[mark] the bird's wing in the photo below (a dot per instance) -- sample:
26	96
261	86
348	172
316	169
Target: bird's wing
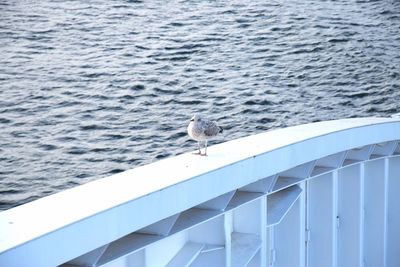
211	128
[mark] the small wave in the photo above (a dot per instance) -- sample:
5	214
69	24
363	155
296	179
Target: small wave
96	75
338	40
11	191
358	95
177	24
4	120
260	102
266	120
93	127
178	135
83	175
101	150
162	155
185	102
167	91
115	171
137	87
76	151
113	136
48	147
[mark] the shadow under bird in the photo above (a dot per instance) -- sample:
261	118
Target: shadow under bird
201	130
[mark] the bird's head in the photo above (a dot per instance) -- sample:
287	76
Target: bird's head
195	118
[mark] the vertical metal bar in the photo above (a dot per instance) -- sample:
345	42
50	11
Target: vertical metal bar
228	239
303	225
263	230
385	222
307	224
362	176
335	216
272	254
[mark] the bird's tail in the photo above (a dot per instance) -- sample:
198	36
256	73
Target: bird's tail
221	130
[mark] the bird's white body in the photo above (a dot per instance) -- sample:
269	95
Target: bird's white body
196	133
202	130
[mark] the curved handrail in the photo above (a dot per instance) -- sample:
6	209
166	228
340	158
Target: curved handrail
115	206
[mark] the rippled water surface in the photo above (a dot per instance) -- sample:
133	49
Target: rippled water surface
92	88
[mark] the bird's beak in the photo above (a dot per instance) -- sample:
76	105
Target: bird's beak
191	119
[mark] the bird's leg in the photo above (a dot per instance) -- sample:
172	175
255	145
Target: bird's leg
199	147
205	150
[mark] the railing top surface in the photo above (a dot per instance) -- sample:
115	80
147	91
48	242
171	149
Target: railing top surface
41	217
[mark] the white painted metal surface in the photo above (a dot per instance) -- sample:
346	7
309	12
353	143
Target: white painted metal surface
322	194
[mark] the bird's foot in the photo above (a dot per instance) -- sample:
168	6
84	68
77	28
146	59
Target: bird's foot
199	153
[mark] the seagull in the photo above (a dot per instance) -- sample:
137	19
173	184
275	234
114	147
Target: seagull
201	130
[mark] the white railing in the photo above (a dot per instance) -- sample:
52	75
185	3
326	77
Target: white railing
322	194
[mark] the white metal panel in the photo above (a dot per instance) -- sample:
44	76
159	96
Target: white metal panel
393	216
384	149
163	251
162	227
321	221
293	175
374	213
244	248
90	258
279	204
332	161
349	216
126	246
319	170
262	186
284	182
242	197
256	261
358	154
241	215
186	255
397	150
301	171
136	259
328	163
210	232
192	217
289	237
213	258
218	203
121	262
